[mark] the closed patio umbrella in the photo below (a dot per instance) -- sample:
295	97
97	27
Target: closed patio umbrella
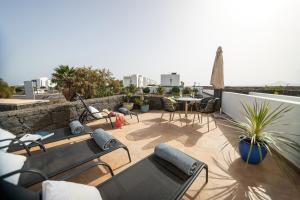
217	76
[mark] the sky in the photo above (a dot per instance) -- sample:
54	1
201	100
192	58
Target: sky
260	39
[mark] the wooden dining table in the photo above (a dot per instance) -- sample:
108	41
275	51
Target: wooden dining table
186	101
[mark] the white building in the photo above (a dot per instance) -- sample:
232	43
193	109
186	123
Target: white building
172	79
43	82
137	80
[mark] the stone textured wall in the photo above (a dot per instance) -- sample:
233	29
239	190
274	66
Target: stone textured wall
53	116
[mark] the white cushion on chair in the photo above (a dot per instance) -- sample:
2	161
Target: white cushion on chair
10	162
5	135
63	190
95	112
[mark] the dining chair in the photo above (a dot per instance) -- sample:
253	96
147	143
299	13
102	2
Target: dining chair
169	107
207	110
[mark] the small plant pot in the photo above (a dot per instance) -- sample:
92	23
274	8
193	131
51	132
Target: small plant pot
127	105
144	108
254	158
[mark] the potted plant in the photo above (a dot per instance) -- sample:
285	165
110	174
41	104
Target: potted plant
160	90
145	105
127	101
256	137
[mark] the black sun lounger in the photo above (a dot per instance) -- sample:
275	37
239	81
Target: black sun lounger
87	115
151	178
59	134
63	158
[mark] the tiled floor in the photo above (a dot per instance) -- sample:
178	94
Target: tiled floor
229	176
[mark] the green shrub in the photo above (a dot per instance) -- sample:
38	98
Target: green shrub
5	90
146	90
187	90
175	90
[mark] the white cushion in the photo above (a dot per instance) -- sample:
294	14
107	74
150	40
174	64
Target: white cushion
28	136
95	112
5	135
62	190
11	162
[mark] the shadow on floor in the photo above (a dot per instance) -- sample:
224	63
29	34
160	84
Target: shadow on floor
245	181
165	132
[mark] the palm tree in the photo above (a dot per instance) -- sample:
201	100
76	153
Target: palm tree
5	90
64	77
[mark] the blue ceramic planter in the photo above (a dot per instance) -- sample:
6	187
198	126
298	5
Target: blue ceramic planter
144	108
244	148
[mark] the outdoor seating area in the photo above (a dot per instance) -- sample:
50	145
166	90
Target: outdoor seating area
228	176
149	100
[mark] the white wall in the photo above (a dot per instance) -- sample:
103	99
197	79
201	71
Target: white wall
276	96
231	105
170	79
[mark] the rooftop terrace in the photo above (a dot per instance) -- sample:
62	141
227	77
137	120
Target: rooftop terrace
229	176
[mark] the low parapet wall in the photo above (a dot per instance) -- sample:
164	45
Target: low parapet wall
48	117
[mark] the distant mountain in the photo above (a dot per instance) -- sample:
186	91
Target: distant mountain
282	83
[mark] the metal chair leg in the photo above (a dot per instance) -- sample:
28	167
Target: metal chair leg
208	122
194	118
206	170
126	149
162	114
112	125
180	118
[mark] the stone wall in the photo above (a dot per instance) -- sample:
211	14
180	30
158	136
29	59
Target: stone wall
48	117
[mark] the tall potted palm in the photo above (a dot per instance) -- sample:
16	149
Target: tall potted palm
256	137
63	76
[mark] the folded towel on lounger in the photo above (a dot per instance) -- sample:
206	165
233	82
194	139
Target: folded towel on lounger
76	127
103	139
181	160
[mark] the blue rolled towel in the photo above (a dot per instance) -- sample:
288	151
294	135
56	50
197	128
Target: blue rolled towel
125	111
181	160
76	127
103	139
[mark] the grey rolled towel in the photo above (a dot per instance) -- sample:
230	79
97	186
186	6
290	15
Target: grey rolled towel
76	127
125	111
181	160
103	139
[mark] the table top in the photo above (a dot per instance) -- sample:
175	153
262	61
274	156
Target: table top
187	99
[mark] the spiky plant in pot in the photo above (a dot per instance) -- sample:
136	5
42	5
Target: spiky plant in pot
256	137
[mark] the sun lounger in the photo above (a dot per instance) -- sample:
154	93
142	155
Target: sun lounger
59	134
63	158
90	113
150	178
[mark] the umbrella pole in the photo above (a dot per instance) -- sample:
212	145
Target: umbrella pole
218	94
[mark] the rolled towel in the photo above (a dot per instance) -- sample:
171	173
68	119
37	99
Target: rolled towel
181	160
125	111
76	127
103	139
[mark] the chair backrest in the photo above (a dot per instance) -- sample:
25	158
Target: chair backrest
167	104
210	106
